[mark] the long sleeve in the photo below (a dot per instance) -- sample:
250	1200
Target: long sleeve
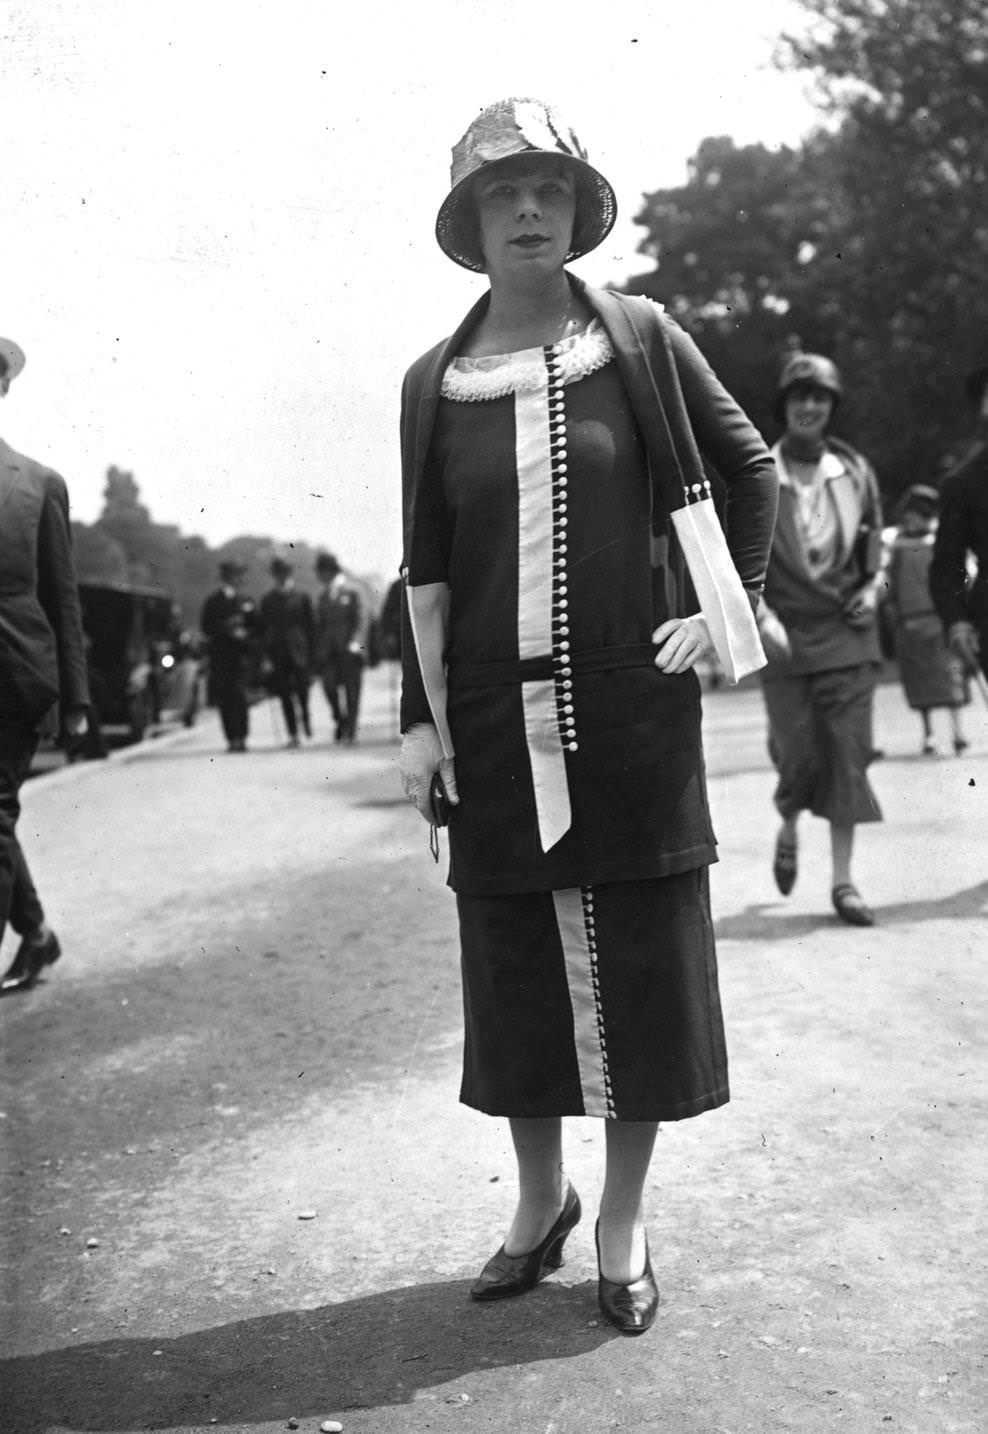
729	441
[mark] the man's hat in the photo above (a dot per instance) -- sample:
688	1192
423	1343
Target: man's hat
976	383
327	563
11	358
232	568
505	130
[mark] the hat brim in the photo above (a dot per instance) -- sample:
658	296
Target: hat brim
783	395
13	356
596	210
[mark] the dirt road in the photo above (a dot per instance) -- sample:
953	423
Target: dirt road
239	1189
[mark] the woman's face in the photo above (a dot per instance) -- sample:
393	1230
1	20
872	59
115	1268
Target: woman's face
525	214
808	410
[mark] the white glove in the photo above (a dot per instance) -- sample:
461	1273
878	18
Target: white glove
682	642
420	758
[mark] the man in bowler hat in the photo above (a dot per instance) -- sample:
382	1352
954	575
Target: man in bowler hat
42	661
962	602
229	623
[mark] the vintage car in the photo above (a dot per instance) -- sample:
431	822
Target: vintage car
143	670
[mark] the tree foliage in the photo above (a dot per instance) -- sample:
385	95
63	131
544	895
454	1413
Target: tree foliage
869	242
126	545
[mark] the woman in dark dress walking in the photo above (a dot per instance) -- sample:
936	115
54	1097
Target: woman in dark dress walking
552	484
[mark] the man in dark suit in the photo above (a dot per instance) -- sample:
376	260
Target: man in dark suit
960	598
287	636
229	622
342	627
42	661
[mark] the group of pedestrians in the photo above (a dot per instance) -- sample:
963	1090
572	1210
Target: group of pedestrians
284	641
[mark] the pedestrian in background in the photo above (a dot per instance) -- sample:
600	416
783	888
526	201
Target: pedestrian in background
342	625
229	624
287	634
819	625
931	675
547	448
960	595
42	662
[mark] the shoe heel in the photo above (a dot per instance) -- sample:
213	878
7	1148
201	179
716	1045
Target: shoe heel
554	1259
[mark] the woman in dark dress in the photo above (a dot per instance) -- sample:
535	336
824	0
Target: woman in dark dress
552	484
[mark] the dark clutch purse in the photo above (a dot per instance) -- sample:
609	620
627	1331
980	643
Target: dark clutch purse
439	812
438	802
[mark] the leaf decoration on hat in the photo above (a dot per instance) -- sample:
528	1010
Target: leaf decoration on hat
535	125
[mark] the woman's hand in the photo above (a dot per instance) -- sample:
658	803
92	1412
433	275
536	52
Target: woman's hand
860	610
775	639
420	758
682	642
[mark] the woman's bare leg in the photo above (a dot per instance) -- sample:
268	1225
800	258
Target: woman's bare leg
622	1222
841	851
541	1183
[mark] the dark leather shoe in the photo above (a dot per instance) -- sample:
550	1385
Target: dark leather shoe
629	1308
31	959
505	1275
850	907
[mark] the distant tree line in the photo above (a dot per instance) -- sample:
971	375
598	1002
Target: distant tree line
868	243
126	545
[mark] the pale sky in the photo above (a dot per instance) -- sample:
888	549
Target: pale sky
218	248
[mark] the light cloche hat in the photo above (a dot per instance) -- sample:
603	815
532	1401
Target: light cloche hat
502	131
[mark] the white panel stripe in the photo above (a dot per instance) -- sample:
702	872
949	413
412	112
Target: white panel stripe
534	522
579	960
545	748
548	764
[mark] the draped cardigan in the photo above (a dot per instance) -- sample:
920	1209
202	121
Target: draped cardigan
687	420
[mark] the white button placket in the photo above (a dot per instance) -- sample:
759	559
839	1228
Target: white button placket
562	669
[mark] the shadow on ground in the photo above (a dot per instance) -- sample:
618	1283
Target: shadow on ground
375	1351
764	921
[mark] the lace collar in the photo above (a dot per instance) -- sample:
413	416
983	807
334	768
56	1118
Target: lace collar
470	379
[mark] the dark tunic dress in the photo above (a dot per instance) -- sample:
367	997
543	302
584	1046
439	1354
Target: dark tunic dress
579	846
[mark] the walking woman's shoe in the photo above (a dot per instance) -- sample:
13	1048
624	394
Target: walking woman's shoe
961	744
785	863
506	1275
629	1308
850	906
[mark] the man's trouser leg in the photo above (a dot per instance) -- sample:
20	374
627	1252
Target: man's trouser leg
19	903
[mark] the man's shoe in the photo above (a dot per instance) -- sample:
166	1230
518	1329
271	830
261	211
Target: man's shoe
31	959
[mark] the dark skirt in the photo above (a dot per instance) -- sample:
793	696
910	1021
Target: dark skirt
820	739
931	675
597	1001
